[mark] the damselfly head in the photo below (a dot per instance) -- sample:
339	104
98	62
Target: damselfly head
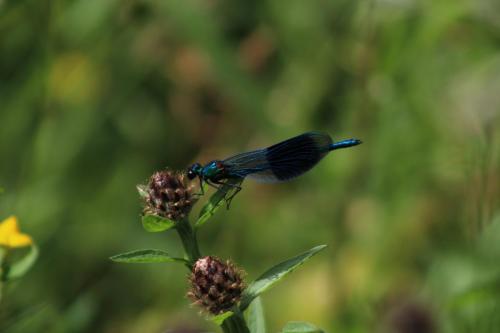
194	171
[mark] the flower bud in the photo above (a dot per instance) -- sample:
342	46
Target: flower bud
168	194
215	286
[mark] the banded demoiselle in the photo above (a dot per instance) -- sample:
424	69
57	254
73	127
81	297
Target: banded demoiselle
280	162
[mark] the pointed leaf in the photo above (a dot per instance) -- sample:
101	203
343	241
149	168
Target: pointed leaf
155	223
270	277
219	319
21	266
143	191
300	327
216	201
146	256
255	317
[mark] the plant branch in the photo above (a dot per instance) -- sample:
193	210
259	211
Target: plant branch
188	238
235	324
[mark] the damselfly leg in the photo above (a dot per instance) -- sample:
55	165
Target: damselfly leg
231	192
234	187
202	190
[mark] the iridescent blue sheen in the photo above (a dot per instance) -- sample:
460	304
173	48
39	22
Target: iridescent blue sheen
280	162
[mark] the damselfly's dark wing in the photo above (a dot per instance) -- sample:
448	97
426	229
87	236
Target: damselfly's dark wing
282	161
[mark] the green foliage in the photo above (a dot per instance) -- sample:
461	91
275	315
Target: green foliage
219	319
146	256
255	317
142	190
154	223
21	266
300	327
217	200
275	274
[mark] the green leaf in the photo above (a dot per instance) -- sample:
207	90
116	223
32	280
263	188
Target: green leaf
300	327
145	257
219	319
21	266
143	191
255	317
270	277
216	201
155	223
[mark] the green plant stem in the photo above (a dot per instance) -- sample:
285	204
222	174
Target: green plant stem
235	324
188	238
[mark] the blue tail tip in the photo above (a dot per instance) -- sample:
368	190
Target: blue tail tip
349	142
345	144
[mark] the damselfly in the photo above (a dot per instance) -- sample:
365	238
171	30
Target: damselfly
280	162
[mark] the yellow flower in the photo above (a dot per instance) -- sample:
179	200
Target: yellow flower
10	236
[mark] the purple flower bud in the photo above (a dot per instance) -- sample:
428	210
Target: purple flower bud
215	286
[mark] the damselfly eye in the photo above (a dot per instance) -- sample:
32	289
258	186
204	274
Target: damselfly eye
190	174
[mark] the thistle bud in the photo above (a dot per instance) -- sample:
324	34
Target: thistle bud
168	194
215	286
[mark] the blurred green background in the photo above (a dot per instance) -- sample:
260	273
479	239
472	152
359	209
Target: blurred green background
95	95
